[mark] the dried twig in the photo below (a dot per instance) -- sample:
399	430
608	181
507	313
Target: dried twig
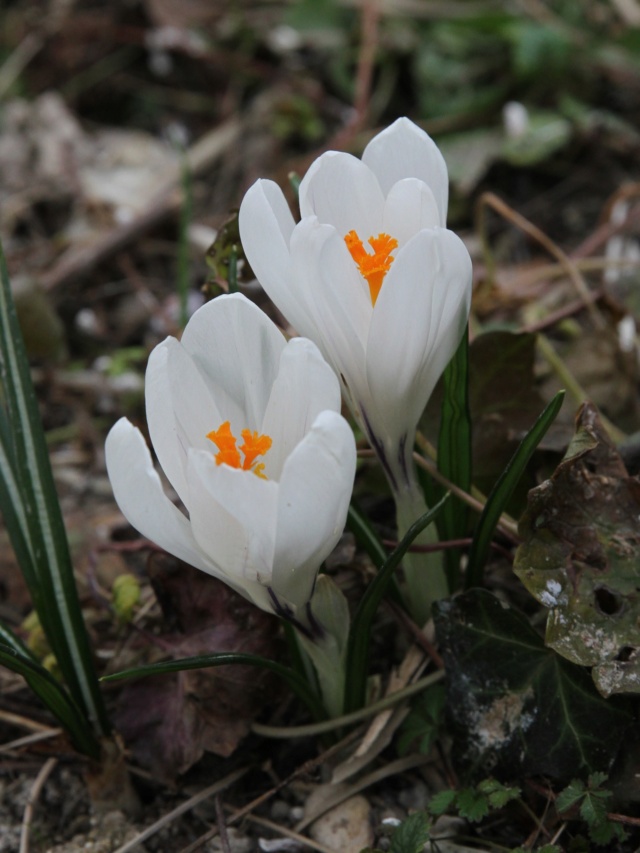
408	762
17	61
364	75
304	769
507	526
166	202
289	833
28	740
288	732
34	793
189	804
222	825
23	722
488	199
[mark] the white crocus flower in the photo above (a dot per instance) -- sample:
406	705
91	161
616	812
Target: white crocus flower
372	275
246	427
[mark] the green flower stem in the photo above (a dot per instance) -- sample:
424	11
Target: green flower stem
424	573
357	661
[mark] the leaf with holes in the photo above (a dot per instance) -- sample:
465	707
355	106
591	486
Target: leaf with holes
581	558
517	707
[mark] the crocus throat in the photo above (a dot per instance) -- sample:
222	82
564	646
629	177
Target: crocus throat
372	267
254	445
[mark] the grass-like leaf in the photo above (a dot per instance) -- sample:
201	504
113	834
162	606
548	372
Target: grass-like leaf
368	540
503	489
34	521
295	681
454	453
17	657
356	666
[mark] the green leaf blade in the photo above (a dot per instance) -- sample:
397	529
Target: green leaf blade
503	489
454	452
16	657
35	519
295	681
356	665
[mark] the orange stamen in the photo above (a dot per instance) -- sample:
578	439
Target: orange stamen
254	445
374	267
226	443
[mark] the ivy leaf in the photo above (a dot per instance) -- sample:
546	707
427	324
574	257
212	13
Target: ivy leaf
411	835
581	557
517	707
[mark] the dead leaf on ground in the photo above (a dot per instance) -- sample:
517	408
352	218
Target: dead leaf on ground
581	558
170	720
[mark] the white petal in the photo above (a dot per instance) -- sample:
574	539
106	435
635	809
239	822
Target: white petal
335	292
233	519
305	386
410	207
341	191
266	225
237	348
403	150
180	411
417	323
138	492
313	499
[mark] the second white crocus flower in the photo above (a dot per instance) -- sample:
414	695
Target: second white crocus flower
373	276
246	427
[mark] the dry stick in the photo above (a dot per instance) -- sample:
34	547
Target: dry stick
15	64
364	75
27	740
305	768
490	200
289	833
606	230
166	201
573	386
417	634
366	59
222	826
23	722
561	314
312	729
585	265
408	762
34	793
189	804
507	526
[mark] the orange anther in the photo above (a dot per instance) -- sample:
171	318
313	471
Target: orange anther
225	441
373	267
254	445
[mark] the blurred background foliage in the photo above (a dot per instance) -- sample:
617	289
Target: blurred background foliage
537	101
